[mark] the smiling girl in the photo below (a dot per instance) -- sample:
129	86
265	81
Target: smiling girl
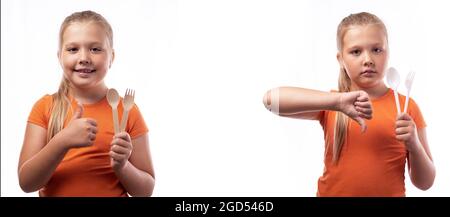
69	147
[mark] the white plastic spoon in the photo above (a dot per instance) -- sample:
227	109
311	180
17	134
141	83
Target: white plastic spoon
393	79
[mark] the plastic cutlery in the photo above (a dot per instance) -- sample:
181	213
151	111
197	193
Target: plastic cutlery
113	99
128	102
408	83
393	79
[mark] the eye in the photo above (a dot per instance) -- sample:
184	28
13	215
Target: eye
355	52
72	49
96	49
377	50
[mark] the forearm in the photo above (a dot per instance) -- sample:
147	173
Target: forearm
37	171
293	100
421	168
136	182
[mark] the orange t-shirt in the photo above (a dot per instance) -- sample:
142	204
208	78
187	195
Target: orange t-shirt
87	171
371	163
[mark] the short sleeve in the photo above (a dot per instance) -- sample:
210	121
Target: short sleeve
416	114
40	112
323	117
136	124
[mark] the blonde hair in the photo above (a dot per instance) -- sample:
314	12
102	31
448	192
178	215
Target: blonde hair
344	82
61	99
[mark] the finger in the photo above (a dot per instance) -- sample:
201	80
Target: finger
362	123
78	112
401	130
93	130
120	149
121	142
405	116
114	155
364	110
401	123
90	143
91	121
364	115
123	135
92	137
117	156
363	96
363	104
402	137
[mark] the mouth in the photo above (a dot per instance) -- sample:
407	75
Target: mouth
85	71
368	72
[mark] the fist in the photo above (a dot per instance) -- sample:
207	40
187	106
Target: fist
357	106
121	149
406	131
80	132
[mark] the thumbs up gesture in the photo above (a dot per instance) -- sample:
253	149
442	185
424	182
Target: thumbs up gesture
80	132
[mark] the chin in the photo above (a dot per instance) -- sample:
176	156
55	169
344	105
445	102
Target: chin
83	84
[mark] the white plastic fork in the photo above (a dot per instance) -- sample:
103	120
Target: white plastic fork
128	102
408	83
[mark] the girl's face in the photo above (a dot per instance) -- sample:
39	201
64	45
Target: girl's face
364	55
85	54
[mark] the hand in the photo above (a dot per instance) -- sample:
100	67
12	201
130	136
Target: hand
357	106
80	132
405	130
121	149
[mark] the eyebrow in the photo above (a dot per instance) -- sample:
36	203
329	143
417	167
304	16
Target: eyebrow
89	43
370	45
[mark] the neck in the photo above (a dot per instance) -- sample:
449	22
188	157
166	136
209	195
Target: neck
375	91
90	95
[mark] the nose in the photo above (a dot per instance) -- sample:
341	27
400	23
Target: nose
84	57
368	61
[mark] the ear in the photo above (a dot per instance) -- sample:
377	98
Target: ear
58	55
112	58
339	59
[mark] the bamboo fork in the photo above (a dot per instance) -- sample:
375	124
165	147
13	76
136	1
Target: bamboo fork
128	102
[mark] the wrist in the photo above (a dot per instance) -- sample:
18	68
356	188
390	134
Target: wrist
121	169
60	141
413	147
337	102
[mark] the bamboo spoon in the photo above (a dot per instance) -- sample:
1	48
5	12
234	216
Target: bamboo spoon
113	99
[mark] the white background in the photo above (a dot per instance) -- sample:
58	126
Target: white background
200	69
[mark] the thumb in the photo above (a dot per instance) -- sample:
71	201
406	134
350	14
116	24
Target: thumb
362	123
404	116
78	112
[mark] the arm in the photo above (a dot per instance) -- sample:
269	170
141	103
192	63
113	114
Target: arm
306	103
300	102
39	160
134	168
421	166
420	163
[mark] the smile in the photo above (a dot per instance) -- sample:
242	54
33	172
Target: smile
85	70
